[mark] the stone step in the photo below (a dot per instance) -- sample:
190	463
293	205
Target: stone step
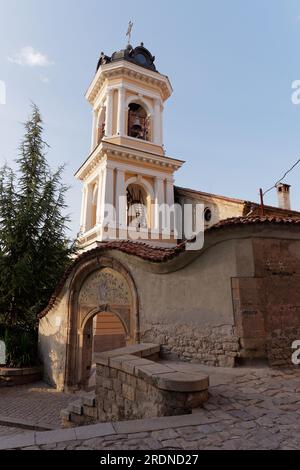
89	399
76	407
85	405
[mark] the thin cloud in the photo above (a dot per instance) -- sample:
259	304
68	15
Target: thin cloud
45	80
28	56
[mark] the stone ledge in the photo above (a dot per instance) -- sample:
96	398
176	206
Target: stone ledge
181	382
9	371
140	350
132	360
19	376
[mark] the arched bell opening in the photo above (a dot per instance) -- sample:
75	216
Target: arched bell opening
138	122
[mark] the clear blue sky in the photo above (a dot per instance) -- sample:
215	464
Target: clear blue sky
231	64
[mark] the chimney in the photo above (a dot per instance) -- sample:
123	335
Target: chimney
283	193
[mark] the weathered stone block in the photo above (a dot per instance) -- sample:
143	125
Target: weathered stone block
112	373
225	361
151	369
89	400
180	382
128	392
107	383
117	385
107	406
90	411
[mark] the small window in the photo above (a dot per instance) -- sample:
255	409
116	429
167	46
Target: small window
207	214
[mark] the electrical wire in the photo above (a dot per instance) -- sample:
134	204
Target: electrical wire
279	181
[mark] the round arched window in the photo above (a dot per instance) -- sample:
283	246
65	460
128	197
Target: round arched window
207	214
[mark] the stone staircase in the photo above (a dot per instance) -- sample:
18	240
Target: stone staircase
82	411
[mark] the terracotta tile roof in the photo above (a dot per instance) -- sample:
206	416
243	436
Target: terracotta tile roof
255	220
144	251
180	189
157	254
248	205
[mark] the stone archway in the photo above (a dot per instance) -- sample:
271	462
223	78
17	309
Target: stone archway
88	338
100	285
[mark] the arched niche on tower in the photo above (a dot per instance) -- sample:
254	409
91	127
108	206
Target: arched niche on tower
100	127
140	200
94	205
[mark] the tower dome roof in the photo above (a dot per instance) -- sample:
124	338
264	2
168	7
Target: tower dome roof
138	55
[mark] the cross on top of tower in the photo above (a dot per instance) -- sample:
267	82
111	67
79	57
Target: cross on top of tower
129	30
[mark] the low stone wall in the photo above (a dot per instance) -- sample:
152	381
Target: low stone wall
129	386
213	346
279	346
19	376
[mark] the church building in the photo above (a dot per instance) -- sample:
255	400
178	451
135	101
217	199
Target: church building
235	299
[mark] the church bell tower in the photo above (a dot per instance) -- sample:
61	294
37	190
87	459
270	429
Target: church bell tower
127	178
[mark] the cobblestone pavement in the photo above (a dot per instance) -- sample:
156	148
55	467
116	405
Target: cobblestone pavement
10	431
35	403
251	409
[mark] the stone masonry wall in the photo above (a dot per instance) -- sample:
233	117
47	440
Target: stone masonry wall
122	396
129	386
214	346
279	346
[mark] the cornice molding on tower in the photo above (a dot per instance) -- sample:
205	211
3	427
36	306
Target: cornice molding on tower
99	100
128	155
129	70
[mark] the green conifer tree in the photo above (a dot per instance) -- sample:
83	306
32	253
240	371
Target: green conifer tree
34	248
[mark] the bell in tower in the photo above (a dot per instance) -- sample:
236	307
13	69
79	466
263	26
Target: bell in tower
137	122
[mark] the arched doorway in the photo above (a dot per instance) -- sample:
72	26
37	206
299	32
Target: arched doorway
103	331
101	287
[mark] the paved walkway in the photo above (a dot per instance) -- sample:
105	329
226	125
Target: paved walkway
247	409
35	404
10	431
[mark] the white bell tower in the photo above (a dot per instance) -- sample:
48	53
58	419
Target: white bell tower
127	178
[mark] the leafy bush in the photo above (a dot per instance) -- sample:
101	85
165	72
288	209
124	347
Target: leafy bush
21	346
